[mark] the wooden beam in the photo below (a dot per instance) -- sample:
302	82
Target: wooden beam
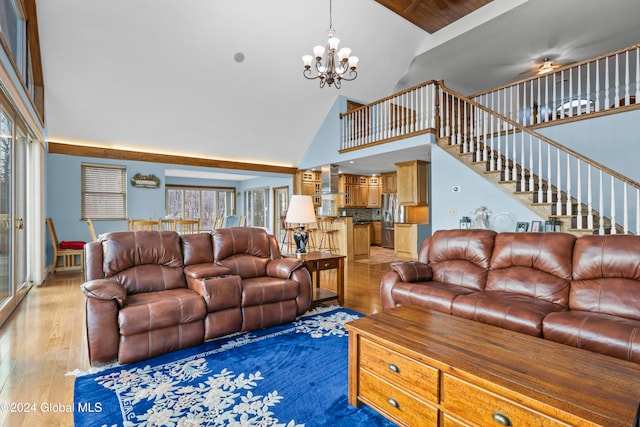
140	156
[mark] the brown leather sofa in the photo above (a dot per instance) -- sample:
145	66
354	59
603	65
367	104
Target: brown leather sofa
152	292
583	291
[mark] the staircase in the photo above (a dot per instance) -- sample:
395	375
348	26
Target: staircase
494	134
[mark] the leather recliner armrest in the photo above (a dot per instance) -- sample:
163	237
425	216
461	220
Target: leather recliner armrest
105	289
201	271
283	267
412	271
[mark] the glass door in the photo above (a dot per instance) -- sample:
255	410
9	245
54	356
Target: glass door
6	210
21	190
257	207
281	204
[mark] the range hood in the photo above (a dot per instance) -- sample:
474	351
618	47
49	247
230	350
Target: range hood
330	190
330	180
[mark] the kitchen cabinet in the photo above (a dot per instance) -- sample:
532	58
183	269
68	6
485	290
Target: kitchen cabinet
373	196
405	240
356	191
361	241
376	235
309	183
412	183
389	184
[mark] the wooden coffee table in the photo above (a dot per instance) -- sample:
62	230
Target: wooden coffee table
421	367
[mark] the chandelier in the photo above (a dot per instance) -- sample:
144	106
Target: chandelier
336	62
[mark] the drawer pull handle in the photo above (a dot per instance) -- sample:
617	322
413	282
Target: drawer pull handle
393	403
394	368
327	264
501	419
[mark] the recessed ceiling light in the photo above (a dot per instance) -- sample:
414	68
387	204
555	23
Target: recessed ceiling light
351	161
238	57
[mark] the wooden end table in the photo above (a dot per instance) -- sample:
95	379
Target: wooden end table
317	262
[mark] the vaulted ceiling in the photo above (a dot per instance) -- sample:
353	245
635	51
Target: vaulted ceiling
165	75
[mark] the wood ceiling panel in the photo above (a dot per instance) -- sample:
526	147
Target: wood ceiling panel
433	15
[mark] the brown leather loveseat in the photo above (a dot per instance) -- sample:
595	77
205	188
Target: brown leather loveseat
583	291
152	292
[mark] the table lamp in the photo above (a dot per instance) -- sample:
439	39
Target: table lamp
302	212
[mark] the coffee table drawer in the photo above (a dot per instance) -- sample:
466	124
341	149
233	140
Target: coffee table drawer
413	377
472	403
394	402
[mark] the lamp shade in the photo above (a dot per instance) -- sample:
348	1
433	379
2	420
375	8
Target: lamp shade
301	210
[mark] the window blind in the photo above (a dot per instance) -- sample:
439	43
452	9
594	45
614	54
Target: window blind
104	192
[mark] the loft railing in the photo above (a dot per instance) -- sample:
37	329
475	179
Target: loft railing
594	196
404	114
588	87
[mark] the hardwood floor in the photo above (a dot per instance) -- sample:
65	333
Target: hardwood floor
43	340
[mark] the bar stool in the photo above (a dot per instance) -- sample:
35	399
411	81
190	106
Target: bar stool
327	241
287	236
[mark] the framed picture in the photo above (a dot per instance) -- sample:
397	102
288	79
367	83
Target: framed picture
522	227
536	226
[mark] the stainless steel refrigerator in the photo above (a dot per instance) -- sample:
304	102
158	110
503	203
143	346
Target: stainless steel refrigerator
392	213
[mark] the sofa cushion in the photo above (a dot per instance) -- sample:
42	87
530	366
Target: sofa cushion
532	264
244	250
461	257
143	261
197	248
516	312
602	333
434	295
606	275
161	309
263	290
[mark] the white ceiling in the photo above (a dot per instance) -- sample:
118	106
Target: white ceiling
160	75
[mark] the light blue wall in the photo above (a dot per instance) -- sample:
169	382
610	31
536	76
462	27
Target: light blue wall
475	190
63	187
612	140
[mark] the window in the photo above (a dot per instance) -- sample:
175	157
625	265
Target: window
104	192
206	203
257	207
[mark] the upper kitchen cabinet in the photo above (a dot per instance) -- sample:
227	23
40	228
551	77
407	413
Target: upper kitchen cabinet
309	182
374	192
389	182
412	183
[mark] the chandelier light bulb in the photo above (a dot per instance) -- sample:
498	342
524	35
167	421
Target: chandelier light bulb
318	52
353	62
307	60
333	43
343	54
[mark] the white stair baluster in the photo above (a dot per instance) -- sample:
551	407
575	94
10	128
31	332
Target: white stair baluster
613	207
589	199
569	206
540	195
601	207
558	184
579	196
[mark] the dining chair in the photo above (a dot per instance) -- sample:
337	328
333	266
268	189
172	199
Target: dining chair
142	224
188	226
231	221
168	224
92	231
218	222
67	255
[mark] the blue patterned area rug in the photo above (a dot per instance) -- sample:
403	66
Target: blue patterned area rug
289	375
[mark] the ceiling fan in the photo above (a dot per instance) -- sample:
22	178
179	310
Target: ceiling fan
547	66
